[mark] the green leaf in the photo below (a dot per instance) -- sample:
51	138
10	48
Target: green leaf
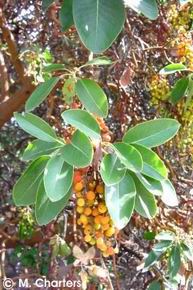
103	60
172	68
38	148
155	285
79	152
120	201
145	203
25	189
92	97
149	236
111	169
129	156
158	250
174	261
53	67
68	90
46	4
153	166
151	259
162	246
169	196
40	94
179	90
152	185
83	121
98	22
187	251
58	177
35	126
45	209
165	236
148	8
65	15
152	133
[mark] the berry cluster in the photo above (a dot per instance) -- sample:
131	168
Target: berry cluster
26	224
159	89
180	17
93	217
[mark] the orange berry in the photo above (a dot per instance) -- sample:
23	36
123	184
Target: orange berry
98	234
105	220
77	177
102	207
90	195
110	232
103	248
100	188
87	211
95	212
88	229
97	219
80	202
105	227
99	242
110	251
80	209
78	186
83	219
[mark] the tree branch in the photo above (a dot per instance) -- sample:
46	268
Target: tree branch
12	48
11	103
4	88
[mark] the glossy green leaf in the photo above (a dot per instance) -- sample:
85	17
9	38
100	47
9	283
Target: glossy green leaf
83	121
103	60
68	90
169	196
155	285
40	94
174	261
152	133
151	259
53	67
129	156
145	203
35	126
79	152
98	22
165	236
65	15
172	68
153	166
120	201
45	209
179	90
58	177
111	169
152	185
46	4
37	148
25	189
148	8
92	97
